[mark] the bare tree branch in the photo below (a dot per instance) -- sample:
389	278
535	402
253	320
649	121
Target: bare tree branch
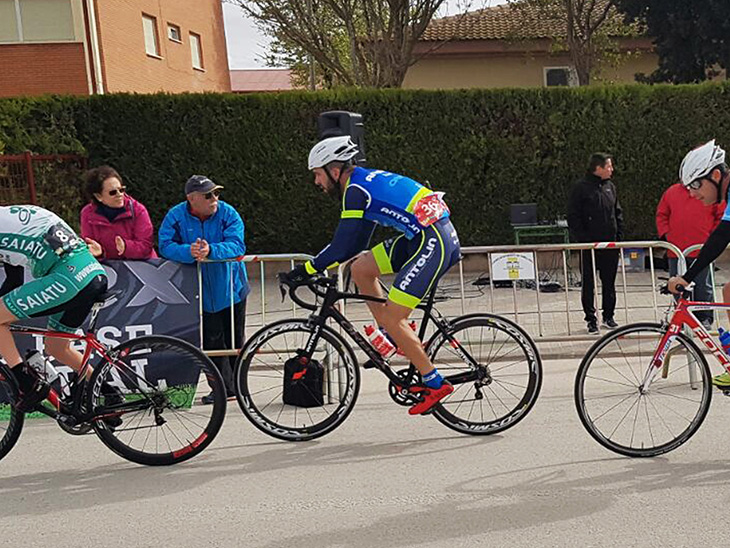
365	43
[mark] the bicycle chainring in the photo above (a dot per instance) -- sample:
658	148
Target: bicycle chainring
400	395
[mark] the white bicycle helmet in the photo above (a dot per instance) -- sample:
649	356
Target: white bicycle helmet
332	149
700	161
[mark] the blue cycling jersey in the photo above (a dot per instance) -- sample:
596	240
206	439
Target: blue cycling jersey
390	199
371	197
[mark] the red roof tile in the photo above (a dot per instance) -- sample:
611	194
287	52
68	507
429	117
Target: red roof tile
511	22
252	80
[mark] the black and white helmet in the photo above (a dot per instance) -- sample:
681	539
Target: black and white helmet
332	149
699	162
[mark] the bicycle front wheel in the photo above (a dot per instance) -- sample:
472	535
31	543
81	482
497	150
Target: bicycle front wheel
505	381
261	377
11	420
147	400
634	422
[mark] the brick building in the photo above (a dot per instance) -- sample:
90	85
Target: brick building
106	46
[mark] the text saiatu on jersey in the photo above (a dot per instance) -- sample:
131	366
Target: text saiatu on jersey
34	237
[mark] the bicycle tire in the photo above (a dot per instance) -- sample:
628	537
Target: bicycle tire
11	420
501	414
175	405
254	376
599	371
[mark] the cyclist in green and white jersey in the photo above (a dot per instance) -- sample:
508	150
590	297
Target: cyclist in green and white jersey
67	281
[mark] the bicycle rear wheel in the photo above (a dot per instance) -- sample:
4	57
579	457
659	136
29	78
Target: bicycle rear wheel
260	378
509	374
622	418
11	420
153	414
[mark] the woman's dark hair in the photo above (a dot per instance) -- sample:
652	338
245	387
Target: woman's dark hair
95	180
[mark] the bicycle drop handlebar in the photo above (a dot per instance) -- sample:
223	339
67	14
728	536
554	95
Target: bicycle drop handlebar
315	283
686	293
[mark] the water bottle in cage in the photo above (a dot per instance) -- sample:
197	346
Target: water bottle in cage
381	343
42	366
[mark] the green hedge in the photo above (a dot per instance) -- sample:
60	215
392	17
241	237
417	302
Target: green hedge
485	148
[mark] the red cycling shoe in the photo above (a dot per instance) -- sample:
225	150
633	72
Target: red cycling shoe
431	396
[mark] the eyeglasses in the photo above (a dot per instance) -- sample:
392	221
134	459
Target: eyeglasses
211	194
695	185
120	190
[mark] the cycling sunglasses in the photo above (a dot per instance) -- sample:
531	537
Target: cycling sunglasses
696	184
120	190
211	194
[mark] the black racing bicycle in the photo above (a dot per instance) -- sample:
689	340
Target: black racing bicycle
492	362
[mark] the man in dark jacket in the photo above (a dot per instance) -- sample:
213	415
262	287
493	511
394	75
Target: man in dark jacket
594	215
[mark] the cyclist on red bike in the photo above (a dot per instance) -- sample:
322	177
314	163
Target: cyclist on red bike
705	173
68	280
426	248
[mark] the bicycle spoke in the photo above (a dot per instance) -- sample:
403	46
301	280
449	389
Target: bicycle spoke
635	423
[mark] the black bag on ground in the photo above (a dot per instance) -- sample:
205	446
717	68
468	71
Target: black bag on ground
303	383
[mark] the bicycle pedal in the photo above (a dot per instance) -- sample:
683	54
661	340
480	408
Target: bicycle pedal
68	420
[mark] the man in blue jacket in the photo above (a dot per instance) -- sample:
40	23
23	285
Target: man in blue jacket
206	228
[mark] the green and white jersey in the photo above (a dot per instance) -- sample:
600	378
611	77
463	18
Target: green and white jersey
34	237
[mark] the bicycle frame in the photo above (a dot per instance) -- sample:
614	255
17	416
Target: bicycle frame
76	386
328	310
681	317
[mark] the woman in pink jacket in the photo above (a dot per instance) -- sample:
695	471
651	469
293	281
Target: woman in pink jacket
115	225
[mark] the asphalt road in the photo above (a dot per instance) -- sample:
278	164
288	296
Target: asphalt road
383	479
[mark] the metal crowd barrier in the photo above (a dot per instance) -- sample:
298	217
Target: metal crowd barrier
564	249
262	260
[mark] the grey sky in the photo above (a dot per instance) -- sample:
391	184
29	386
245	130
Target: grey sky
246	44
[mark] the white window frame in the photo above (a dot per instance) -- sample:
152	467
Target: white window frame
156	37
572	75
199	39
170	27
21	35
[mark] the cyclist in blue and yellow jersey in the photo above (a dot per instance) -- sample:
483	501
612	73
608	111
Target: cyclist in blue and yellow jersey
68	279
426	248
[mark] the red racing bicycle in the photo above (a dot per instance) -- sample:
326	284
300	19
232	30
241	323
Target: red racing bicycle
152	418
644	389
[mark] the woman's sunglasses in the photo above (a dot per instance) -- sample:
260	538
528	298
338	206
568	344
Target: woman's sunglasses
120	190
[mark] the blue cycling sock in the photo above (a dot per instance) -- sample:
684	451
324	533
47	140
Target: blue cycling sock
433	379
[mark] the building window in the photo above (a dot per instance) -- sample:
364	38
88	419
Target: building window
173	33
36	21
151	40
196	50
560	76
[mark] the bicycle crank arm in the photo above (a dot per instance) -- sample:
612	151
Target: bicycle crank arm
46	410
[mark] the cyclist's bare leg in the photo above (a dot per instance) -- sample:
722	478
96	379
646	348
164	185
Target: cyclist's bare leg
366	274
8	349
393	317
62	351
58	348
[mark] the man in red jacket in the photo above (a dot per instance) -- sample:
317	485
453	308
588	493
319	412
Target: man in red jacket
683	221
